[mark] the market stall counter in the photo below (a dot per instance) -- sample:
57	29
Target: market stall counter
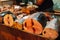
7	33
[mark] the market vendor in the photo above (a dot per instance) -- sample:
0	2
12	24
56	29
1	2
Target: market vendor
44	5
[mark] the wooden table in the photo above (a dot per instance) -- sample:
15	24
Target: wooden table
7	33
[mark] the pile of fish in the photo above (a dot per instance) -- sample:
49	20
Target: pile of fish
36	23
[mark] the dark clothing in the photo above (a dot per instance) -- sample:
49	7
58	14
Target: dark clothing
24	1
47	5
18	2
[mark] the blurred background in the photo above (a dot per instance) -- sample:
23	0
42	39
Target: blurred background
56	4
